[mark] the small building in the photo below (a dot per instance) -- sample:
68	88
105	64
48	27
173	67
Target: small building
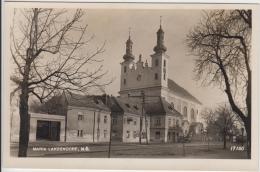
126	117
46	127
88	119
166	122
43	127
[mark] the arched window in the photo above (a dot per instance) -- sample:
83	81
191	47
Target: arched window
192	115
185	112
156	62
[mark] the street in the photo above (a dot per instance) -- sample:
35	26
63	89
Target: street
134	150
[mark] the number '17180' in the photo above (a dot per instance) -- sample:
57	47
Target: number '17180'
237	148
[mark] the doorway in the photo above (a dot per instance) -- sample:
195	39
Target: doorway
48	130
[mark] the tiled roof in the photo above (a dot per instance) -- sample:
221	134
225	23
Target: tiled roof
86	101
125	105
180	91
160	107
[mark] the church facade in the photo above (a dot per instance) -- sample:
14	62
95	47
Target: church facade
153	81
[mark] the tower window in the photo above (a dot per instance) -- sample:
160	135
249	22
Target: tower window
156	62
164	76
124	81
156	76
124	69
164	63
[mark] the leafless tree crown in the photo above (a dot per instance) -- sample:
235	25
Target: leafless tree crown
50	50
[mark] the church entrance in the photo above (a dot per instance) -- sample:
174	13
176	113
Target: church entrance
48	130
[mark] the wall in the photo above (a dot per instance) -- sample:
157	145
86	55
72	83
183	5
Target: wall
158	127
131	130
141	76
133	127
117	127
34	117
180	103
92	125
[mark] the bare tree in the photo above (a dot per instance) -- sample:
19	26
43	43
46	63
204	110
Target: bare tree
50	50
222	42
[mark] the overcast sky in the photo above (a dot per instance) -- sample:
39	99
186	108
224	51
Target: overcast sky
112	26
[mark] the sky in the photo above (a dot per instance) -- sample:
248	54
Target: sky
112	26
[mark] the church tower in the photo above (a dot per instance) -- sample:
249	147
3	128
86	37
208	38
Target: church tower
160	59
128	62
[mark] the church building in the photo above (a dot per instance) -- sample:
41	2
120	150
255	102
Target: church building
154	82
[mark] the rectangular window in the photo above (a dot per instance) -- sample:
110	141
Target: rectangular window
105	119
156	76
135	134
157	135
134	122
105	133
164	63
124	81
98	118
129	120
80	133
124	69
114	121
143	135
80	117
164	76
127	134
177	122
158	121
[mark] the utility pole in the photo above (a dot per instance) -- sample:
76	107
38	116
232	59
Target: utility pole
143	97
145	119
141	117
110	133
183	145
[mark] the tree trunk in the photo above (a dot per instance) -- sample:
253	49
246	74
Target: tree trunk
224	140
248	140
24	123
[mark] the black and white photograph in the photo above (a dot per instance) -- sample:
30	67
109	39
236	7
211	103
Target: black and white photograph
130	83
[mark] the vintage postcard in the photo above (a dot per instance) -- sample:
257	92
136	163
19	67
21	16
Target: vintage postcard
131	86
